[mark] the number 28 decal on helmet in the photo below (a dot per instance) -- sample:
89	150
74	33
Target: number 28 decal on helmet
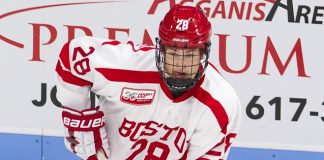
183	47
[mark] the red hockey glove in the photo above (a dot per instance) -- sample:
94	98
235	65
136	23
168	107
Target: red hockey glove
85	132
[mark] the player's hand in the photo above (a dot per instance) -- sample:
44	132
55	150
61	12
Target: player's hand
85	132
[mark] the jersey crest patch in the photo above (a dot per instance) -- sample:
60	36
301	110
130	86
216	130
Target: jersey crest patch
137	96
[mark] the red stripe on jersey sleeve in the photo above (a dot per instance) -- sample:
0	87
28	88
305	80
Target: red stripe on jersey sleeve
130	76
214	153
140	48
113	42
203	159
69	77
217	108
64	56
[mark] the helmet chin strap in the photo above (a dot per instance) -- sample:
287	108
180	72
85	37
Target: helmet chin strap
178	86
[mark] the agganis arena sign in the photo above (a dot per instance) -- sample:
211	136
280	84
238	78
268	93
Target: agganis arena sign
263	10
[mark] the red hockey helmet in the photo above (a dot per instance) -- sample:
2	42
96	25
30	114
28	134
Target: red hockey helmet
183	29
185	26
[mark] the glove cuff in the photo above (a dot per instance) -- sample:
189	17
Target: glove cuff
82	122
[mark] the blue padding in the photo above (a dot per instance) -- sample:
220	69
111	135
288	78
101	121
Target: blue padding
20	147
28	147
54	149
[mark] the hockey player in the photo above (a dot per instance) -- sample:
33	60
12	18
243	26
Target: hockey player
162	102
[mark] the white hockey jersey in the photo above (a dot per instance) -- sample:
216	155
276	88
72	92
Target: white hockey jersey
143	120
